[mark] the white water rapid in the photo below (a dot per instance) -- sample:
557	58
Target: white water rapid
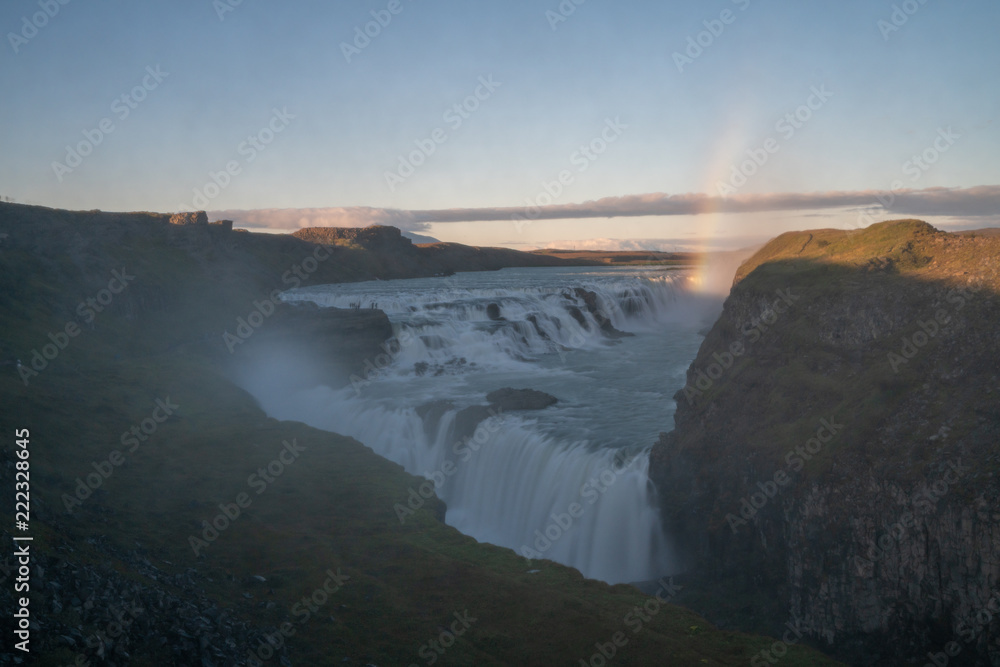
568	482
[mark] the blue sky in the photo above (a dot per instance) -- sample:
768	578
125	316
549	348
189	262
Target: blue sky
554	86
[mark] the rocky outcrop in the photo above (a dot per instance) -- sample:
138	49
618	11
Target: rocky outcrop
193	218
376	237
468	419
835	447
593	306
520	399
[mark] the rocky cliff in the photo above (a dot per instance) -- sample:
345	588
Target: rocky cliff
836	448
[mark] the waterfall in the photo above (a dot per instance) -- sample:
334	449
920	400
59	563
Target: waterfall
565	483
495	326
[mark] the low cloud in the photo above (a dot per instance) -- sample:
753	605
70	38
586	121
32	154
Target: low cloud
656	245
299	218
960	202
633	245
982	200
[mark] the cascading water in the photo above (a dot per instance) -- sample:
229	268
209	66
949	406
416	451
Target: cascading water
567	483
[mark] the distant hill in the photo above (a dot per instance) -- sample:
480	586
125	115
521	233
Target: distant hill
389	254
420	238
620	257
986	231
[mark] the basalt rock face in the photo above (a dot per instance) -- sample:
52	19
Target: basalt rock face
836	449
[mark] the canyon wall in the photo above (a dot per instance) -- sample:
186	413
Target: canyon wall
835	456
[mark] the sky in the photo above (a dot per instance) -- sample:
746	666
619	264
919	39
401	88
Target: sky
580	123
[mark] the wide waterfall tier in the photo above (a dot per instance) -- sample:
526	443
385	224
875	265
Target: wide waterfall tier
446	324
567	482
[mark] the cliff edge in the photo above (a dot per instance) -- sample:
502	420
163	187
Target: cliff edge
835	455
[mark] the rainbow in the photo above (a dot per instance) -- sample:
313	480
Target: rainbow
719	168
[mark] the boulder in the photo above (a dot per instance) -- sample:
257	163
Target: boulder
468	420
520	399
593	307
431	414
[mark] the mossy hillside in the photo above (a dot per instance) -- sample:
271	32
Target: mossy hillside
333	508
903	241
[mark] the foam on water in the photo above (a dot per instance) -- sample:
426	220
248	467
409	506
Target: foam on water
568	483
